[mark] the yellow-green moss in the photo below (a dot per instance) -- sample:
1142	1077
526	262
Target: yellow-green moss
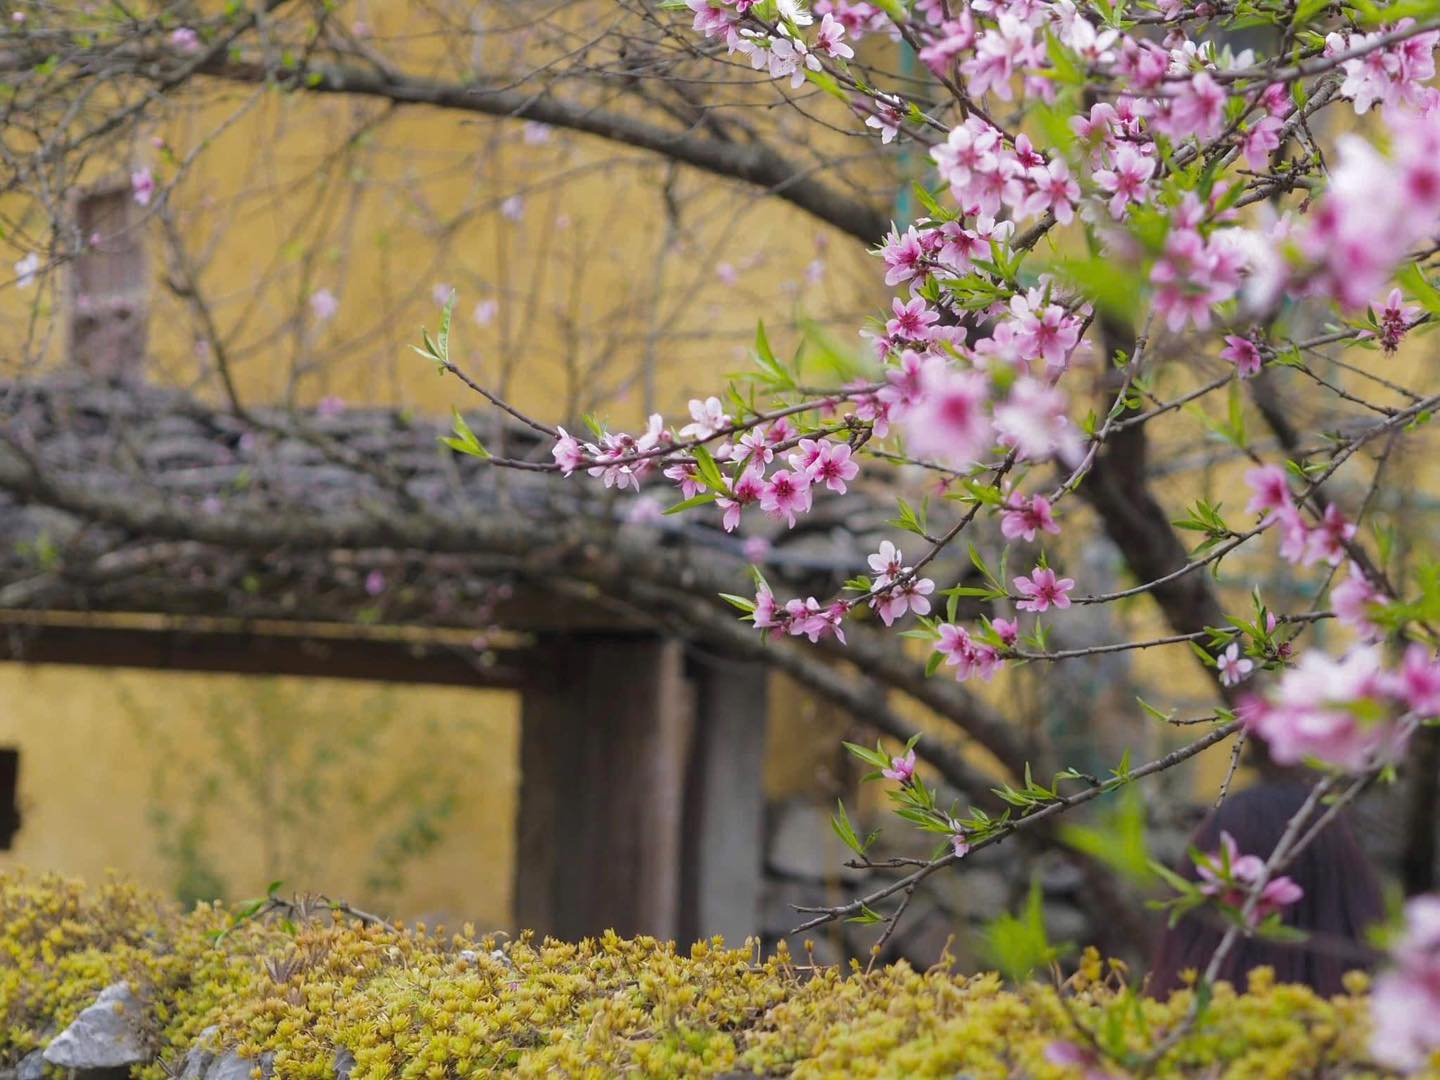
408	1004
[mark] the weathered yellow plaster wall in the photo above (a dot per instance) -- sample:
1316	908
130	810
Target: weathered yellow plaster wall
320	782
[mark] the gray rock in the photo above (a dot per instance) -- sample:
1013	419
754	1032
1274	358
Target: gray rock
107	1035
801	841
777	907
804	845
472	956
31	1067
232	1066
199	1057
1062	878
344	1064
924	934
975	892
1066	923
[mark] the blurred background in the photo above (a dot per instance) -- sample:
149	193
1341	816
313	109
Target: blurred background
259	626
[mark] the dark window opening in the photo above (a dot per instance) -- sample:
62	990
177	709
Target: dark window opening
9	796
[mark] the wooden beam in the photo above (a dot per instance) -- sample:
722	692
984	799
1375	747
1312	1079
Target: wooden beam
245	653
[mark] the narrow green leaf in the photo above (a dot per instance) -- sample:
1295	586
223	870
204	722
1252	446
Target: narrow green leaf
709	471
692	502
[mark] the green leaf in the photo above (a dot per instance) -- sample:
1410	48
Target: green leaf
875	757
762	344
893	8
1234	429
930	203
464	441
840	822
908	519
445	317
867	917
1017	945
1418	286
827	83
1174	880
1372	14
709	471
1156	713
1113	287
1118	840
842	364
1065	65
692	502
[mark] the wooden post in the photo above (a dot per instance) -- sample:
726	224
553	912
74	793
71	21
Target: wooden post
725	800
605	735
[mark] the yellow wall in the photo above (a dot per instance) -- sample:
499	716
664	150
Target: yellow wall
278	195
313	781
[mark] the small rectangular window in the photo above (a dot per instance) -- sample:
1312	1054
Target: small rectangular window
9	796
108	285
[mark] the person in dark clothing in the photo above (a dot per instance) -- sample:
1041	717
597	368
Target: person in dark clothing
1341	899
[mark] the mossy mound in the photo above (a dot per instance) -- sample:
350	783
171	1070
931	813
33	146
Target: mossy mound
418	1003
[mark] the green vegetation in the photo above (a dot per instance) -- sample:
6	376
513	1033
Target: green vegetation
422	1003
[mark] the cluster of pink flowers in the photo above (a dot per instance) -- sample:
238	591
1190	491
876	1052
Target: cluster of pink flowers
1244	873
1301	543
1396	319
938	388
619	460
142	186
1195	273
897	589
783	54
902	769
1405	1000
1042	590
1353	601
1391	76
1352	713
966	655
1374	208
807	618
1173	88
622	461
988	174
964	402
942	393
860	18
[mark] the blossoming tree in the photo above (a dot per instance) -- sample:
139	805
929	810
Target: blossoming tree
1112	189
1128	223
